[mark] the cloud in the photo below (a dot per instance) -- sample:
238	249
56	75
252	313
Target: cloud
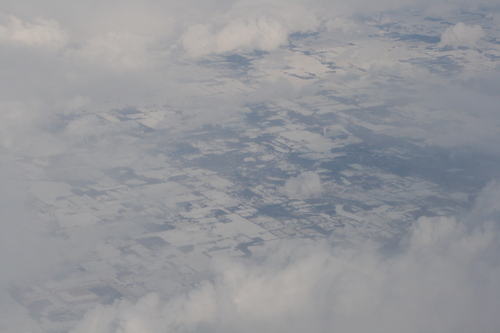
41	33
462	35
444	278
247	27
305	185
113	55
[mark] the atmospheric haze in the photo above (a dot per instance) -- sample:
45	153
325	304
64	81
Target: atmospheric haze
249	166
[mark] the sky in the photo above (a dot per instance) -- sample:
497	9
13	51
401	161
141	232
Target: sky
64	63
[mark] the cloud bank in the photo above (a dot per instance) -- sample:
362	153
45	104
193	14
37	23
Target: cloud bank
445	278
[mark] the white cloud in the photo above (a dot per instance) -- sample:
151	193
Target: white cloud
41	32
445	278
249	26
305	185
462	35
